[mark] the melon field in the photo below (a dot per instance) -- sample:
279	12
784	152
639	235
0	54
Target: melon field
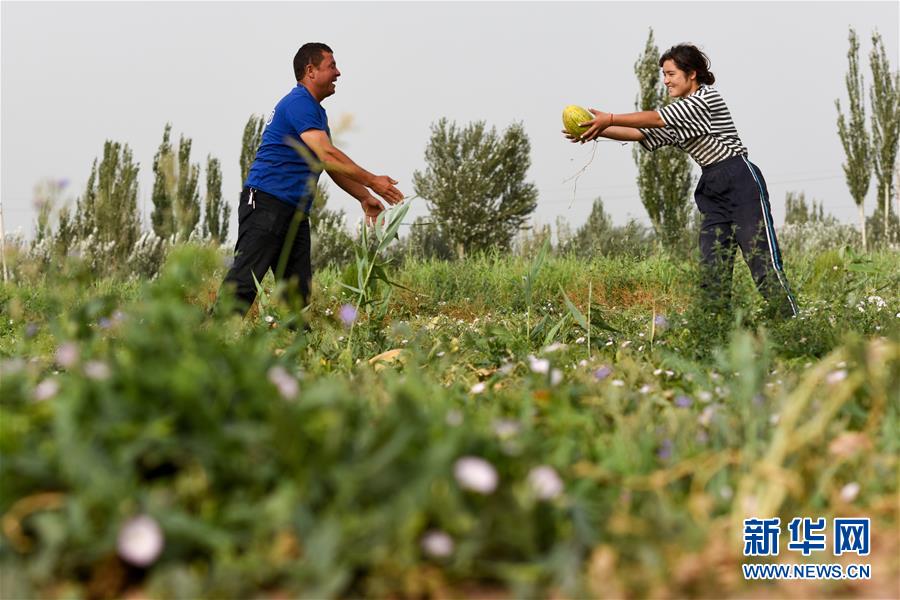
528	425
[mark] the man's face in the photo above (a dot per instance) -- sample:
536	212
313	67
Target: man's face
679	83
324	76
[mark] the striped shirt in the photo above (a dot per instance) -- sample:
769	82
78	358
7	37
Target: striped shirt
699	124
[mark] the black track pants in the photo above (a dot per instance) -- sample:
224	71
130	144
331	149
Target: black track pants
734	201
267	228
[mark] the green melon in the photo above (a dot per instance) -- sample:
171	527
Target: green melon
572	116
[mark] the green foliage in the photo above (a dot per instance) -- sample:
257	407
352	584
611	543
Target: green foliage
884	95
798	212
475	184
332	245
216	211
598	236
854	136
106	216
176	194
162	217
274	466
426	241
253	131
664	176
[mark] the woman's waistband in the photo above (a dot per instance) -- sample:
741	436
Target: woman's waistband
723	162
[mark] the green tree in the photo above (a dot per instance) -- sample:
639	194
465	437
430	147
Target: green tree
475	184
332	245
187	197
598	235
253	131
163	197
107	212
176	193
217	212
884	94
854	137
798	212
664	177
425	240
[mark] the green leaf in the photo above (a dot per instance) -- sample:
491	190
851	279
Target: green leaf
576	314
395	216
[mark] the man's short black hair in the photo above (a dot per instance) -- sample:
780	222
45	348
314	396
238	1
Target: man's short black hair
309	54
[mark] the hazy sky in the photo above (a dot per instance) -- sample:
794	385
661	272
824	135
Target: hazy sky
75	74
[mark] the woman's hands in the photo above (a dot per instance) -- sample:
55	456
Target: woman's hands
601	121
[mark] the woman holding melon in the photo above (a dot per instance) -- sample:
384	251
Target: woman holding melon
731	194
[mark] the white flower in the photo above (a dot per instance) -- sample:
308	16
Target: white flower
618	382
96	370
140	541
657	372
475	474
440	354
645	389
270	319
580	340
505	428
877	301
849	492
478	388
545	482
626	343
437	544
46	390
836	376
706	416
539	365
67	355
556	377
554	347
285	383
704	396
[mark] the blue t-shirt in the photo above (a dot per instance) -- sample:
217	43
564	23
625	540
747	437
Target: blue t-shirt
279	169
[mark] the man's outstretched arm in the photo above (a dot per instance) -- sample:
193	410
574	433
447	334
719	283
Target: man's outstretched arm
336	161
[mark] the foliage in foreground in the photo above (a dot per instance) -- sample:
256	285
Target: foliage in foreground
616	461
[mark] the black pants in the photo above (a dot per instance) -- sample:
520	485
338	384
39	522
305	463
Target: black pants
271	235
734	201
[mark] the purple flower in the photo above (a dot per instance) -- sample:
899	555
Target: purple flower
31	330
661	322
104	323
665	450
682	401
62	183
347	314
602	373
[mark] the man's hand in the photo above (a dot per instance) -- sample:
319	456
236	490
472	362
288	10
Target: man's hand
384	187
372	207
595	127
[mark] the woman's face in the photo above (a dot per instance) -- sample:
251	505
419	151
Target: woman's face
679	83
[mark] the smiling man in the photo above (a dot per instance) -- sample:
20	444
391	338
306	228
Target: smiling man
273	223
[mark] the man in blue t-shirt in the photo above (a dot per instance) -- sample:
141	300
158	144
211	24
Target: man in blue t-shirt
273	223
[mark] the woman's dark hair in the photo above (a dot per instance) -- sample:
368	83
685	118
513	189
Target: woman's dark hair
688	57
309	54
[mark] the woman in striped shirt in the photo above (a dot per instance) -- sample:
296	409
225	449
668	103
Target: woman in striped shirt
731	194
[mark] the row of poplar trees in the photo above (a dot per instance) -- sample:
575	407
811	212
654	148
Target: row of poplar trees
106	216
873	146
